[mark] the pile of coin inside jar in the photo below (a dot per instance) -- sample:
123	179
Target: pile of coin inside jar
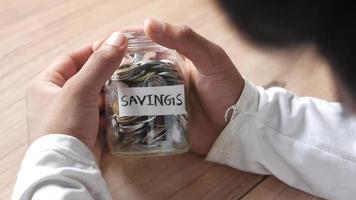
140	132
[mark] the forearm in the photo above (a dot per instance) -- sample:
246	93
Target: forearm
305	142
59	167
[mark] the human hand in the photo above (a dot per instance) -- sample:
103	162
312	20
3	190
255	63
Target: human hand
65	98
215	82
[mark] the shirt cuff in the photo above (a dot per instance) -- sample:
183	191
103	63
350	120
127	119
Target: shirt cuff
224	144
69	146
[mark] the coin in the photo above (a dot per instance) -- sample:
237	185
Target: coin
153	135
175	132
144	77
128	72
115	106
167	61
169	75
145	119
115	130
154	80
162	68
138	57
129	128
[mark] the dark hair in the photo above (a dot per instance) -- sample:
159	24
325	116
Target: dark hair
329	24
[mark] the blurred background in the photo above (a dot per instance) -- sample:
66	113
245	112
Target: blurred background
33	33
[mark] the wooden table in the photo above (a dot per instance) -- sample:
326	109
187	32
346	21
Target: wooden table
33	33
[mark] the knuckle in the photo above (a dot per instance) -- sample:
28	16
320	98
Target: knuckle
218	50
106	57
185	31
63	60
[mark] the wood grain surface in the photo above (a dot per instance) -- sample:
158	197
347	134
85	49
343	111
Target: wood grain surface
34	32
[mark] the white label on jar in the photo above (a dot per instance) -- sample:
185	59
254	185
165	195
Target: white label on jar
162	100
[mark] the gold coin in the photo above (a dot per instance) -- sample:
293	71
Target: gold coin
115	107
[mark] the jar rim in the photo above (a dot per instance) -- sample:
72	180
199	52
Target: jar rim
138	41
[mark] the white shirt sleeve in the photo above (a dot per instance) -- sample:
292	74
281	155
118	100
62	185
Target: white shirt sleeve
59	167
307	143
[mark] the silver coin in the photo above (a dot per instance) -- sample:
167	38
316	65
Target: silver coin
154	80
142	130
143	77
115	130
129	128
169	75
131	141
171	81
163	67
176	134
114	127
167	61
152	135
144	119
136	76
126	120
127	72
137	57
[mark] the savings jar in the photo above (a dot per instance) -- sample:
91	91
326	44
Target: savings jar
146	101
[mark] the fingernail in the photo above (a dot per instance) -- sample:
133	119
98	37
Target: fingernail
155	25
116	39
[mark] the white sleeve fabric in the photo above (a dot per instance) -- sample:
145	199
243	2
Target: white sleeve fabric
59	167
308	143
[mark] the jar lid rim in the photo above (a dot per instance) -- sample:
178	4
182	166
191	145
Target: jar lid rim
138	40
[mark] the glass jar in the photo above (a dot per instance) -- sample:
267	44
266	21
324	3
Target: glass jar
146	101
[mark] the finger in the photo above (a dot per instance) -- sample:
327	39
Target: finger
100	66
208	57
65	67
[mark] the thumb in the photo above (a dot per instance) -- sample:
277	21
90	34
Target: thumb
100	65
